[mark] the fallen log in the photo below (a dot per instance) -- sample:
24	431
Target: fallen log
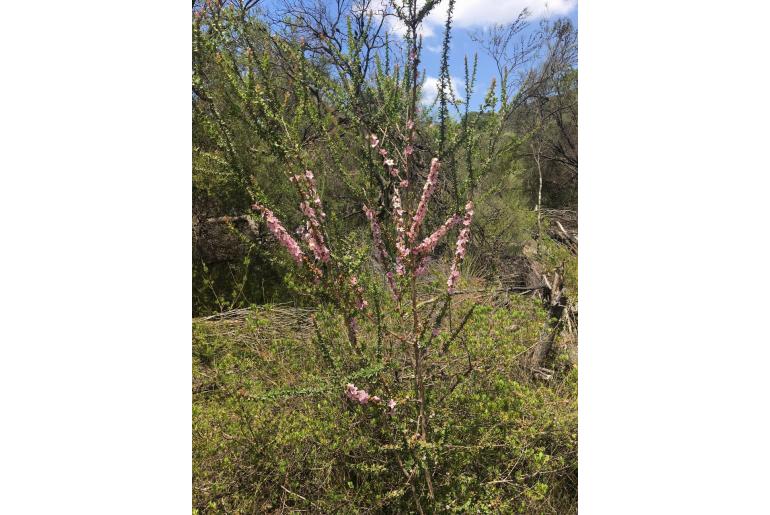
556	302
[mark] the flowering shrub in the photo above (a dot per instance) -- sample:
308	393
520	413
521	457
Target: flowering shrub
335	281
285	412
400	269
403	254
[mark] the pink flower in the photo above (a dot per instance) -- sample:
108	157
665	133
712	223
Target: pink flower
314	235
429	243
410	124
281	234
422	206
401	249
391	406
388	162
461	248
409	150
359	396
383	152
373	140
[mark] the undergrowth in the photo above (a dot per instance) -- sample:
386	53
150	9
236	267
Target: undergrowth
273	432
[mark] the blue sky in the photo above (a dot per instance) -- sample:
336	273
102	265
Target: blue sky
469	16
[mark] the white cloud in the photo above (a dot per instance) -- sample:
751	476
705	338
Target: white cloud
393	24
426	30
431	86
480	13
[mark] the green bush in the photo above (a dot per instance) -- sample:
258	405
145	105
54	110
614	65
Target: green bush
272	429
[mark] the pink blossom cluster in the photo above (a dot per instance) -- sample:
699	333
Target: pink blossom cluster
312	209
359	396
405	240
362	397
402	251
422	266
422	206
428	244
313	234
281	234
462	247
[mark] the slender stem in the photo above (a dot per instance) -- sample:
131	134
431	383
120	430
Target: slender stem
536	155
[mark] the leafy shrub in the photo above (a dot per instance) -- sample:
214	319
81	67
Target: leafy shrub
273	429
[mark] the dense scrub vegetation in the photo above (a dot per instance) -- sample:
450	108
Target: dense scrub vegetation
350	360
273	431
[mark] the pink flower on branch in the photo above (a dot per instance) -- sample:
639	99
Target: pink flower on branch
462	247
422	266
281	234
314	234
373	140
312	208
429	243
312	191
402	252
359	396
422	206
